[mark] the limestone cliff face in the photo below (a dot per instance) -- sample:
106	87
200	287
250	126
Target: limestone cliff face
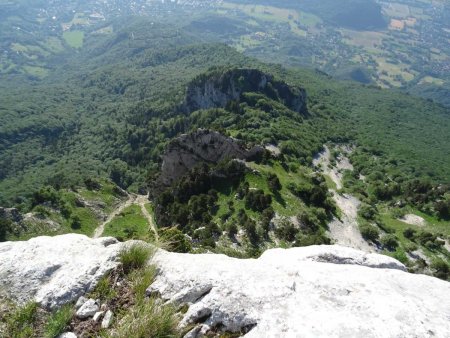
204	146
316	291
217	89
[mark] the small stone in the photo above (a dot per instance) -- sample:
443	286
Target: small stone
104	307
67	335
97	316
107	320
194	333
198	332
80	302
205	329
88	309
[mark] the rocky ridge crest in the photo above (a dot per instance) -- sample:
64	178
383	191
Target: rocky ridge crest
203	146
316	291
216	89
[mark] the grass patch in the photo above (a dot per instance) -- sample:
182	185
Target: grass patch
88	221
58	321
103	290
148	319
108	194
135	257
149	208
35	71
20	323
330	183
74	38
129	224
54	45
140	280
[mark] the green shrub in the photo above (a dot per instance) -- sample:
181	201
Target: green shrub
135	257
400	255
409	233
286	231
5	225
397	213
232	229
318	238
369	232
367	211
58	321
441	269
175	240
429	240
410	247
75	222
274	183
41	211
389	242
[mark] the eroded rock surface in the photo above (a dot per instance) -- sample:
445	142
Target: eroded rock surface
203	146
318	291
54	270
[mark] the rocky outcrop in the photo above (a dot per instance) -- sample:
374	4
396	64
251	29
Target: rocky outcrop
11	214
318	291
54	270
203	146
216	89
18	224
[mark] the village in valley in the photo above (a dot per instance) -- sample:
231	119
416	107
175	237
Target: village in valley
410	50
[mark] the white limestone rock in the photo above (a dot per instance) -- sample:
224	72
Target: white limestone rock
318	291
107	319
67	335
80	302
55	270
88	309
97	316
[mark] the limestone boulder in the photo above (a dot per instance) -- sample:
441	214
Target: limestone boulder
55	270
317	291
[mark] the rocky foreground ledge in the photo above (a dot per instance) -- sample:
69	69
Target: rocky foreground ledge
318	291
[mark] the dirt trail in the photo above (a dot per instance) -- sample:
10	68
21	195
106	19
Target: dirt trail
344	231
142	200
124	204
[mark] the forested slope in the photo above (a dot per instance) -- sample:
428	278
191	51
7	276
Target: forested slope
110	106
